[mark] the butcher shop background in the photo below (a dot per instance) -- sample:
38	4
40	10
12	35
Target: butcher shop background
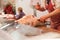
26	5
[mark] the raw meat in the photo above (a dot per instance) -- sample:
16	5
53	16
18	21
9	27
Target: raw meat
29	20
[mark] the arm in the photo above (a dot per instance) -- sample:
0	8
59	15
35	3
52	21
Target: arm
55	12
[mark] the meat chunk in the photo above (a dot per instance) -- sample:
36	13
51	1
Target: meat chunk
29	20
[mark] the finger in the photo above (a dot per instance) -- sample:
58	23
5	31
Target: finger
38	19
41	20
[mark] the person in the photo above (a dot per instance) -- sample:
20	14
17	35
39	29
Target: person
8	9
38	7
54	15
21	13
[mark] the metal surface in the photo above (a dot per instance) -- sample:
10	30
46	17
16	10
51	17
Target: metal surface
23	29
29	30
5	26
4	23
5	36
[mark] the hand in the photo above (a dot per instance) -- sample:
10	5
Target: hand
43	18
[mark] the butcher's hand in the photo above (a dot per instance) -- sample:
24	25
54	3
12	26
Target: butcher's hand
43	18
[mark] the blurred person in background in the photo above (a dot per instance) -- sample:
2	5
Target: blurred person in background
8	9
38	7
20	13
